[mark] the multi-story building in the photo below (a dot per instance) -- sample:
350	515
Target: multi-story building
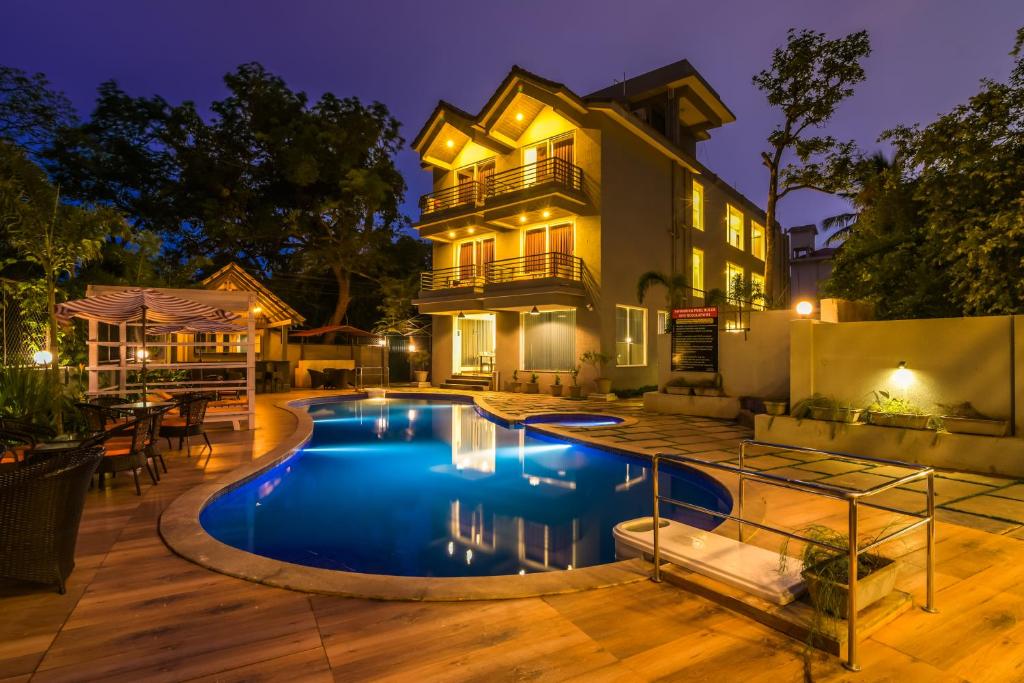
809	266
548	206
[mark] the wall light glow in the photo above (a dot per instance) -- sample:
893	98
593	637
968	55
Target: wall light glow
804	309
902	377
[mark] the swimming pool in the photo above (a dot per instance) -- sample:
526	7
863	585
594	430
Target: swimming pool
412	487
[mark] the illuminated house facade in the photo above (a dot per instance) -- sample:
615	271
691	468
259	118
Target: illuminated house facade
548	206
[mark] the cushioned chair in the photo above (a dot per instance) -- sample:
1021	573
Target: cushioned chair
40	509
188	424
127	453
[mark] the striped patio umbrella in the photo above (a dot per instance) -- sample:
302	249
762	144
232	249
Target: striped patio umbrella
145	305
197	326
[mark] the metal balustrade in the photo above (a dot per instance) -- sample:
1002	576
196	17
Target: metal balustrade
518	269
468	193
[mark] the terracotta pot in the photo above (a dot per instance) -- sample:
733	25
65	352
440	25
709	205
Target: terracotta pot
556	389
531	388
575	391
775	407
604	386
420	375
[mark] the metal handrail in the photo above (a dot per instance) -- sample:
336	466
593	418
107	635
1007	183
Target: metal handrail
854	500
517	269
551	170
468	275
466	193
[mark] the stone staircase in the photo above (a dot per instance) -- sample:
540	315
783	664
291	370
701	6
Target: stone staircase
467	383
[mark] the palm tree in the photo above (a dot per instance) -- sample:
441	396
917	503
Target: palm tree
675	285
872	170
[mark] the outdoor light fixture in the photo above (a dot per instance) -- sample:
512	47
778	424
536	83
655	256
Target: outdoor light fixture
412	347
42	357
257	309
534	311
519	116
471	230
546	214
804	309
451	233
141	354
522	219
461	315
450	143
902	377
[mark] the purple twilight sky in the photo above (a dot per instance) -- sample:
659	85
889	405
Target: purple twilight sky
928	55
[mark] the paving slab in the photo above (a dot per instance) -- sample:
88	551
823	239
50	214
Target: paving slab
991	506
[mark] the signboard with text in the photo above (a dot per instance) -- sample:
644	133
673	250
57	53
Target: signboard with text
695	339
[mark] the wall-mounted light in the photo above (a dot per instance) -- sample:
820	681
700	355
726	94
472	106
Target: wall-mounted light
257	309
902	377
412	347
42	357
804	309
534	311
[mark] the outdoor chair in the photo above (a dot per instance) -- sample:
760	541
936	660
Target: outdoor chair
128	453
40	509
152	452
317	379
15	445
98	419
188	424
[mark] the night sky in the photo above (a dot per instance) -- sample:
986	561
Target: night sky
928	56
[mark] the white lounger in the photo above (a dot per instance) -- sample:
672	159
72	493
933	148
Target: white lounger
744	566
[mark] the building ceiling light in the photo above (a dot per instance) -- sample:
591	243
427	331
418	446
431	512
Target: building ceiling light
522	219
451	233
471	230
519	116
461	315
534	311
450	143
546	214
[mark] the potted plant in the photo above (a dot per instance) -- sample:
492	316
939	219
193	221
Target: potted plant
514	385
556	386
419	361
598	360
826	572
532	387
775	406
679	386
819	407
575	390
963	418
709	387
890	411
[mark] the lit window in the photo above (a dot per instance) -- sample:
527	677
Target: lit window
757	245
734	228
733	277
757	291
663	319
630	336
549	340
698	273
698	206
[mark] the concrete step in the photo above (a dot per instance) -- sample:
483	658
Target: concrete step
464	387
462	379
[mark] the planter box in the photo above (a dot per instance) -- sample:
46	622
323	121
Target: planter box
556	389
776	407
974	425
575	391
604	386
531	388
902	420
516	387
679	391
870	589
846	415
420	375
708	391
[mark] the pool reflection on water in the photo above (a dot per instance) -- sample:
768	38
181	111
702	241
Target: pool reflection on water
434	488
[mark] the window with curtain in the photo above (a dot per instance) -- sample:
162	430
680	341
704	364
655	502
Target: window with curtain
734	226
698	206
534	247
630	336
757	239
560	240
697	276
549	340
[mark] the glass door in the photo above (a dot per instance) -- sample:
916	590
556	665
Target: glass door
474	343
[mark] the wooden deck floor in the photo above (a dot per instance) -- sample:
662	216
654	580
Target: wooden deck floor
134	612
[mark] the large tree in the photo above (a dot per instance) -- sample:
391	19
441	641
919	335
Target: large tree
806	81
31	111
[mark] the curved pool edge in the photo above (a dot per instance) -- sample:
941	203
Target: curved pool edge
182	532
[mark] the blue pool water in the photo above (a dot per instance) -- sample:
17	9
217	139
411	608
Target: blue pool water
433	488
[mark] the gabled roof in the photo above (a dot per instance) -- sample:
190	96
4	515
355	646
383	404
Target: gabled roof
233	277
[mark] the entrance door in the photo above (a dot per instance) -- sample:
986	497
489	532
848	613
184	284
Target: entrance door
473	344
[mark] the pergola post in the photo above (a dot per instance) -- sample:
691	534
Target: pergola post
250	363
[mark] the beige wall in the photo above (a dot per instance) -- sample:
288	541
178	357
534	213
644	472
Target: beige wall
951	359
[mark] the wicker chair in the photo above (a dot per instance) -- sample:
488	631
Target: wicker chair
317	379
187	425
40	508
128	453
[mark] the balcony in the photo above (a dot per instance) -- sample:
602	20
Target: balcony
497	200
514	283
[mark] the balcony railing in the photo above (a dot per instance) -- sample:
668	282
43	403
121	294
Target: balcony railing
519	269
549	172
469	193
554	170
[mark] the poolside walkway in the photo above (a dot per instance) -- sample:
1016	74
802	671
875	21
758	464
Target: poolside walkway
135	611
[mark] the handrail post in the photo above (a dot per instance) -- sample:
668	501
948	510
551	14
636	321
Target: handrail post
656	519
739	525
851	595
930	564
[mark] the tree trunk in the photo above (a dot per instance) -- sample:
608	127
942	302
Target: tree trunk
344	280
771	275
54	370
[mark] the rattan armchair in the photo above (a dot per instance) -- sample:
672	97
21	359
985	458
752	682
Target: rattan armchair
40	509
187	425
128	453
